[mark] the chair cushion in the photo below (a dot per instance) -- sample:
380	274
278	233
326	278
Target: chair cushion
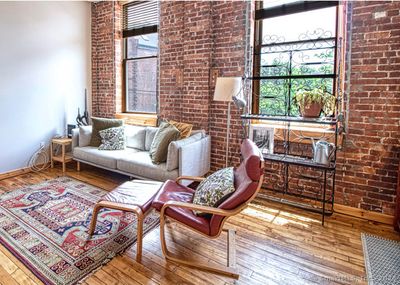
102	157
184	129
112	139
159	147
215	189
99	124
137	192
135	136
172	191
141	165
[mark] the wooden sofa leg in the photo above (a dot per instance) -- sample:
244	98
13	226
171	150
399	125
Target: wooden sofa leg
227	271
78	166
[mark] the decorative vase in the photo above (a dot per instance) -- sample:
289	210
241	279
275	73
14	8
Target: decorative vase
312	110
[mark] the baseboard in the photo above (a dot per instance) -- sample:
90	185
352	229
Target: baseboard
15	172
364	214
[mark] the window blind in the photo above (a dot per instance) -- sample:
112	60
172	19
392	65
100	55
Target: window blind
140	17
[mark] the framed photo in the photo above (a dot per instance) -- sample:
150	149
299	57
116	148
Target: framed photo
263	137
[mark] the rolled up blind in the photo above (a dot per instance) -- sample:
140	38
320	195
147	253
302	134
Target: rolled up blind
140	17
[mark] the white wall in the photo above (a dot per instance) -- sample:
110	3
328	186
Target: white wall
44	69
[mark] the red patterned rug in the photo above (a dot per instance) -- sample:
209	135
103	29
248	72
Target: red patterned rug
45	226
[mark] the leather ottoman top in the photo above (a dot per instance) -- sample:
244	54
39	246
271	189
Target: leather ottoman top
137	192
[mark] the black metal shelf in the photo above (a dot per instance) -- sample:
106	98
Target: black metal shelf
322	121
298	160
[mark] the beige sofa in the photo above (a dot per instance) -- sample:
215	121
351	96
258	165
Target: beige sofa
190	156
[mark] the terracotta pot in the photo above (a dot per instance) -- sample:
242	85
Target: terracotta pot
312	111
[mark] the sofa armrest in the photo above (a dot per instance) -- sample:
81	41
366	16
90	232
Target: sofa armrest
75	138
194	158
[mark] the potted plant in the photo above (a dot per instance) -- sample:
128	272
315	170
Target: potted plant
312	102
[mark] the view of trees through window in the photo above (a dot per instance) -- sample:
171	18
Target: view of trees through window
141	73
296	52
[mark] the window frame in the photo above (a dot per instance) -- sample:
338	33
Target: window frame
283	10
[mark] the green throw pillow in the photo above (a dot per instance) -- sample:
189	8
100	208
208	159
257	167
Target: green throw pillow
112	139
215	189
165	134
99	124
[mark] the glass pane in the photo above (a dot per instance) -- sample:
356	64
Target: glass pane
143	45
141	85
274	3
319	23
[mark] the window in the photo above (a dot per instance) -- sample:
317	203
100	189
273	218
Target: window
295	49
141	56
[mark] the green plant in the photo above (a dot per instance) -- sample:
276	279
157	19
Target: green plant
304	98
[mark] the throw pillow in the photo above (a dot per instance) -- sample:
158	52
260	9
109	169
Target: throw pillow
159	147
184	128
215	189
112	139
150	133
99	124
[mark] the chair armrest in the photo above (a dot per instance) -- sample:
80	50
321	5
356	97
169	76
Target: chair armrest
192	178
191	206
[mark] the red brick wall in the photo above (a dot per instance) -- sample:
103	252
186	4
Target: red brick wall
367	171
198	38
106	58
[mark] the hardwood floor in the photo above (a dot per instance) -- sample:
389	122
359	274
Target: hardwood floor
276	244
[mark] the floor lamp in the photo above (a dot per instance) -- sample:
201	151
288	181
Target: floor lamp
228	89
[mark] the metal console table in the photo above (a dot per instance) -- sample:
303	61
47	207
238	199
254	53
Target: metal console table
292	170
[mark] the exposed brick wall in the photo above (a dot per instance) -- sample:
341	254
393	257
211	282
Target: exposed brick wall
367	166
198	38
106	58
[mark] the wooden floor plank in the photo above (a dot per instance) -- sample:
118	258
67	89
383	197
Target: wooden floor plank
275	244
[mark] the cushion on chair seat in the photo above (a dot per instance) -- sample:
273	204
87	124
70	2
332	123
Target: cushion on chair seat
171	191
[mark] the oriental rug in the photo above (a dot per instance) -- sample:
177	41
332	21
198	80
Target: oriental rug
45	227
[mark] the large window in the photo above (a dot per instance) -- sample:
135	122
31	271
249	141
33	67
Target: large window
295	49
141	56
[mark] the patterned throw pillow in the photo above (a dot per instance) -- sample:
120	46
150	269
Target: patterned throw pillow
215	189
112	139
99	124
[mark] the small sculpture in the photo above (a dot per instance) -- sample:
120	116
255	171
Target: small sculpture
84	119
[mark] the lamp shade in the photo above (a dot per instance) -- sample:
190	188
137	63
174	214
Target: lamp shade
227	87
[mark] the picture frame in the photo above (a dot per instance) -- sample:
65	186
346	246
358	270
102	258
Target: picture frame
263	137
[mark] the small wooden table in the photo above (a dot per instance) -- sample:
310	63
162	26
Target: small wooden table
133	196
64	157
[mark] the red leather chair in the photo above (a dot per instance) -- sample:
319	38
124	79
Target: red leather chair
175	201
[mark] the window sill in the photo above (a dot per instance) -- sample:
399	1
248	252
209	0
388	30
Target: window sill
138	119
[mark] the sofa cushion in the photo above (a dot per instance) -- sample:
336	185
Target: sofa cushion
173	150
135	136
184	129
150	133
159	147
215	189
102	157
99	124
85	134
140	164
112	139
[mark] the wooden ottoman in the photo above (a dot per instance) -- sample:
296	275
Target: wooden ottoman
132	196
